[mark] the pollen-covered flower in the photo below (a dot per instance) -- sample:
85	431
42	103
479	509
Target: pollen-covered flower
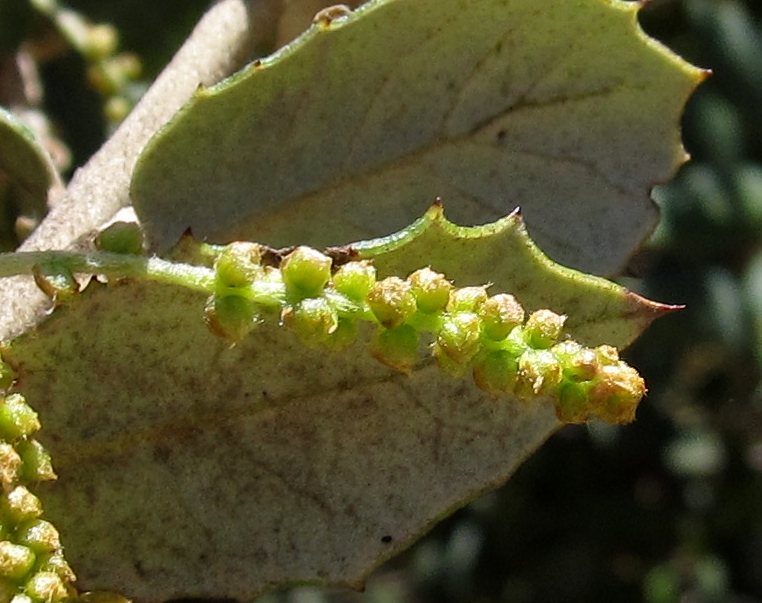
500	314
392	301
313	319
238	265
458	338
355	280
431	290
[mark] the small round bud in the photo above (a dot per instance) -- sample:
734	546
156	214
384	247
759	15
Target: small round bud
56	563
572	404
496	372
467	299
111	75
579	363
396	348
121	237
37	466
543	328
538	375
313	319
615	394
20	505
39	535
355	280
458	337
392	301
17	419
305	272
117	108
431	290
231	316
15	561
46	587
500	314
101	41
238	265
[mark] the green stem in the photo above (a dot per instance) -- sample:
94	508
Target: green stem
115	265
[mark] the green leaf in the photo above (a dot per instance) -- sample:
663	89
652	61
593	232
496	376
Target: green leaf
192	468
502	253
568	111
26	174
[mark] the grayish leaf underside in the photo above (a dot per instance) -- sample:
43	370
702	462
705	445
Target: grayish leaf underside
203	479
353	131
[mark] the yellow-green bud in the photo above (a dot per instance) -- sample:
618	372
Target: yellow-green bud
17	418
543	328
467	299
458	337
121	237
231	316
46	587
56	563
616	392
20	505
313	319
392	301
37	466
579	363
396	348
355	280
500	314
10	464
306	272
496	372
539	374
238	265
572	404
15	560
100	41
431	290
117	108
39	535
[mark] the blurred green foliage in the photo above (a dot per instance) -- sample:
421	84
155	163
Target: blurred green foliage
668	509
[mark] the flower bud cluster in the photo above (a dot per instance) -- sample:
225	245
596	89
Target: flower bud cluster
507	351
32	565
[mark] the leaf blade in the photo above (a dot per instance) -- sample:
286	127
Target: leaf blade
192	468
425	99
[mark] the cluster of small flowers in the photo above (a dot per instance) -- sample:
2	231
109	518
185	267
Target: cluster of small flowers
32	565
491	336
